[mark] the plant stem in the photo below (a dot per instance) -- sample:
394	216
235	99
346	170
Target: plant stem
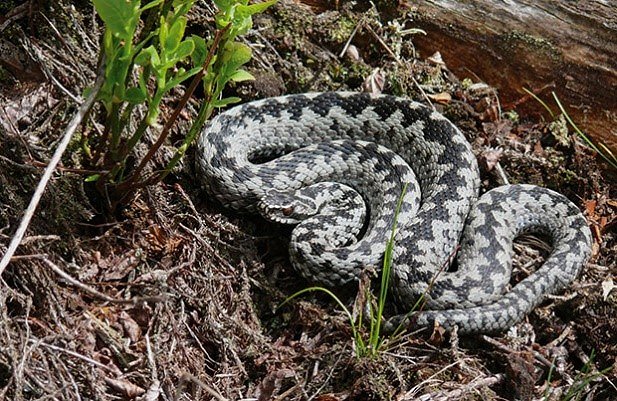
130	182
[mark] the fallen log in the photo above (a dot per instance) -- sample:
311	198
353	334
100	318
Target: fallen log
567	47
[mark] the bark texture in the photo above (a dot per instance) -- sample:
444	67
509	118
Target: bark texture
571	46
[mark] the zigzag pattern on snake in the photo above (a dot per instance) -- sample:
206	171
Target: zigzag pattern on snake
335	164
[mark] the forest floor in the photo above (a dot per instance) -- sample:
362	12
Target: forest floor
177	298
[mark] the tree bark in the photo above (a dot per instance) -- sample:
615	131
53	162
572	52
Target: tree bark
569	47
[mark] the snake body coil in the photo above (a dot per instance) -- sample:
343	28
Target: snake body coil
310	159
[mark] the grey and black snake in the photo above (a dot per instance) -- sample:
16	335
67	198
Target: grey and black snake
335	164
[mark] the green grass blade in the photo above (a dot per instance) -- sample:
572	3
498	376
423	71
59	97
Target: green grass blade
542	102
375	332
609	157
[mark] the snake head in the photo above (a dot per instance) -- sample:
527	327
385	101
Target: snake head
286	207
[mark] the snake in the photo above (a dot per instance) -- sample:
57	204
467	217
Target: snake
342	168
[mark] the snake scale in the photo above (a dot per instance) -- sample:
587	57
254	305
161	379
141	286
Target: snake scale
335	164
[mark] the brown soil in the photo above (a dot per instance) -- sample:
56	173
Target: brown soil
178	298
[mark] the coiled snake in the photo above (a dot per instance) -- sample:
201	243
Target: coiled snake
336	163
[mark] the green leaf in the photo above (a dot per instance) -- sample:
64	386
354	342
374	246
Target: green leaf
153	3
200	52
243	11
163	29
175	34
184	49
240	26
242	20
235	55
182	76
120	16
241	75
181	7
92	178
225	101
135	95
109	44
221	20
223	5
148	56
115	73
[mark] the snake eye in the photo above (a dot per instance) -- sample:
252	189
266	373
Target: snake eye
287	211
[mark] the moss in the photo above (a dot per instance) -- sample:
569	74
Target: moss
353	73
559	129
466	83
341	29
291	24
513	40
512	116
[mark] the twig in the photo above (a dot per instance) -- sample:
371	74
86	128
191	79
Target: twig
424	95
398	61
505	349
91	290
37	54
502	174
190	378
154	390
462	391
39	164
174	116
323	385
68	134
75	354
381	42
14	15
353	34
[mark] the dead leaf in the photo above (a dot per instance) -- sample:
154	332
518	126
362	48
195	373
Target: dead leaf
438	336
271	384
353	53
521	374
153	392
157	237
117	267
491	157
436	59
538	150
590	207
161	241
607	287
131	328
443	97
125	387
374	83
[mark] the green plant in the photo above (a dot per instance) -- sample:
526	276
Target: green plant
142	64
375	342
576	390
547	391
600	149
